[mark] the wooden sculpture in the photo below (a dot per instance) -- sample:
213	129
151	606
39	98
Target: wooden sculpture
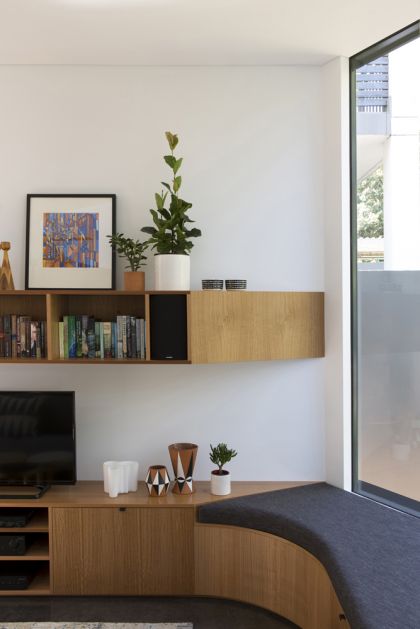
6	277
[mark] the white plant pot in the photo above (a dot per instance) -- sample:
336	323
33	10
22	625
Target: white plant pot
220	484
172	272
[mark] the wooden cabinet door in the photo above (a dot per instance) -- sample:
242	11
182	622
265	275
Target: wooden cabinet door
167	543
95	551
132	551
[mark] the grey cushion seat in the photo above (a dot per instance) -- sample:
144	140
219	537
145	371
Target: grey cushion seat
371	552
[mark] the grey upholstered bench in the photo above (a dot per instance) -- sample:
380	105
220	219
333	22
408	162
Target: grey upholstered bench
370	552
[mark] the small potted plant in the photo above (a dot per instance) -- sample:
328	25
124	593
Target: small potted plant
171	233
133	251
220	478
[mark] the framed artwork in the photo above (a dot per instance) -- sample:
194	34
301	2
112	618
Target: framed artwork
66	241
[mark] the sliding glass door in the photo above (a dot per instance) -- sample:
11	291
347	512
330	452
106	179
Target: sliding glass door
385	128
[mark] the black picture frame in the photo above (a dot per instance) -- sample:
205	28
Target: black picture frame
108	281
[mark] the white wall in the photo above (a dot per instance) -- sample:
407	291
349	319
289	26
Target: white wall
252	143
337	273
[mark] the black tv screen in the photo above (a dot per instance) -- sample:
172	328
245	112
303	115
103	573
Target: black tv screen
37	438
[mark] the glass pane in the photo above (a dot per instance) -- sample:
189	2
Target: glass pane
388	271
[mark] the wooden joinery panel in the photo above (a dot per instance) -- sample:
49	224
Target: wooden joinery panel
167	542
66	555
96	551
122	552
245	326
264	570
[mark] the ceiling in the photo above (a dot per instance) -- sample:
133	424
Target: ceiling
195	32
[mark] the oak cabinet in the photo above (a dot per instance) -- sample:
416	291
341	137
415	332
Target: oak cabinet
126	551
184	327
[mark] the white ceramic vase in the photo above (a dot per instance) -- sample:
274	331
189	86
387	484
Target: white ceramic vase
172	271
220	483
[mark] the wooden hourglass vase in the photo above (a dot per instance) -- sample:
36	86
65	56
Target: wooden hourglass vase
6	277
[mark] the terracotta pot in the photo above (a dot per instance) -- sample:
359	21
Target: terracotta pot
157	480
183	456
134	280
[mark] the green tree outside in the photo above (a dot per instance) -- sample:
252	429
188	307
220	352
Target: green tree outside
370	205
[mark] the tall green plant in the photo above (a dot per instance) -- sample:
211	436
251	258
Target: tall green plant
170	232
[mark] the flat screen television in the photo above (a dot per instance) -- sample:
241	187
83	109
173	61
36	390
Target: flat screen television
37	438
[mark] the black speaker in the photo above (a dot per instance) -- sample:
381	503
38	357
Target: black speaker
168	327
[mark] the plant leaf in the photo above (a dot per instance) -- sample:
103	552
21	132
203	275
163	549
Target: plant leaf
170	160
172	139
193	233
177	183
159	201
177	165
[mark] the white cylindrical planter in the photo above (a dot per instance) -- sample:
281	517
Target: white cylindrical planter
172	272
220	483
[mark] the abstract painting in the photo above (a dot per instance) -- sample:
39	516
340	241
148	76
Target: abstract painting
67	242
71	240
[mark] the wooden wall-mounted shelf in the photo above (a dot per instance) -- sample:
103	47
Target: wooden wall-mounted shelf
186	327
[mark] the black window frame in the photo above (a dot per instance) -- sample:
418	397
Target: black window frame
383	47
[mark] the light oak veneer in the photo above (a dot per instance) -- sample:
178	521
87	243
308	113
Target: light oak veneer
221	326
265	570
138	545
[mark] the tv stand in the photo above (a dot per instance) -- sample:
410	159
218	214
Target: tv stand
22	492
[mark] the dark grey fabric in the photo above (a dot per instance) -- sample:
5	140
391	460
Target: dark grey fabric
371	552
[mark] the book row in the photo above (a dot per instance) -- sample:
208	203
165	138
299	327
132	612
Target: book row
81	336
20	337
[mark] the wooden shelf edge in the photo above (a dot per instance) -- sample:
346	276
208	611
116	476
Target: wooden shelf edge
27	557
90	361
109	293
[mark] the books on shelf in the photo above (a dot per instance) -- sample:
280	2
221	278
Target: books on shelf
21	337
81	336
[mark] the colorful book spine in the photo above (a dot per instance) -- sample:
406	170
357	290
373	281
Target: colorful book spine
79	339
133	337
18	343
97	339
28	337
43	338
1	337
66	336
14	336
143	339
22	337
7	332
138	339
85	323
72	337
114	339
61	338
38	340
91	338
107	339
124	336
33	338
120	353
101	339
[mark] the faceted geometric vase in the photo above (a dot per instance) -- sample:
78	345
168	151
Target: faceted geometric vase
183	457
157	480
6	277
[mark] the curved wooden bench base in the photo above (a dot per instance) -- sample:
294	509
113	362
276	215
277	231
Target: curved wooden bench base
268	571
